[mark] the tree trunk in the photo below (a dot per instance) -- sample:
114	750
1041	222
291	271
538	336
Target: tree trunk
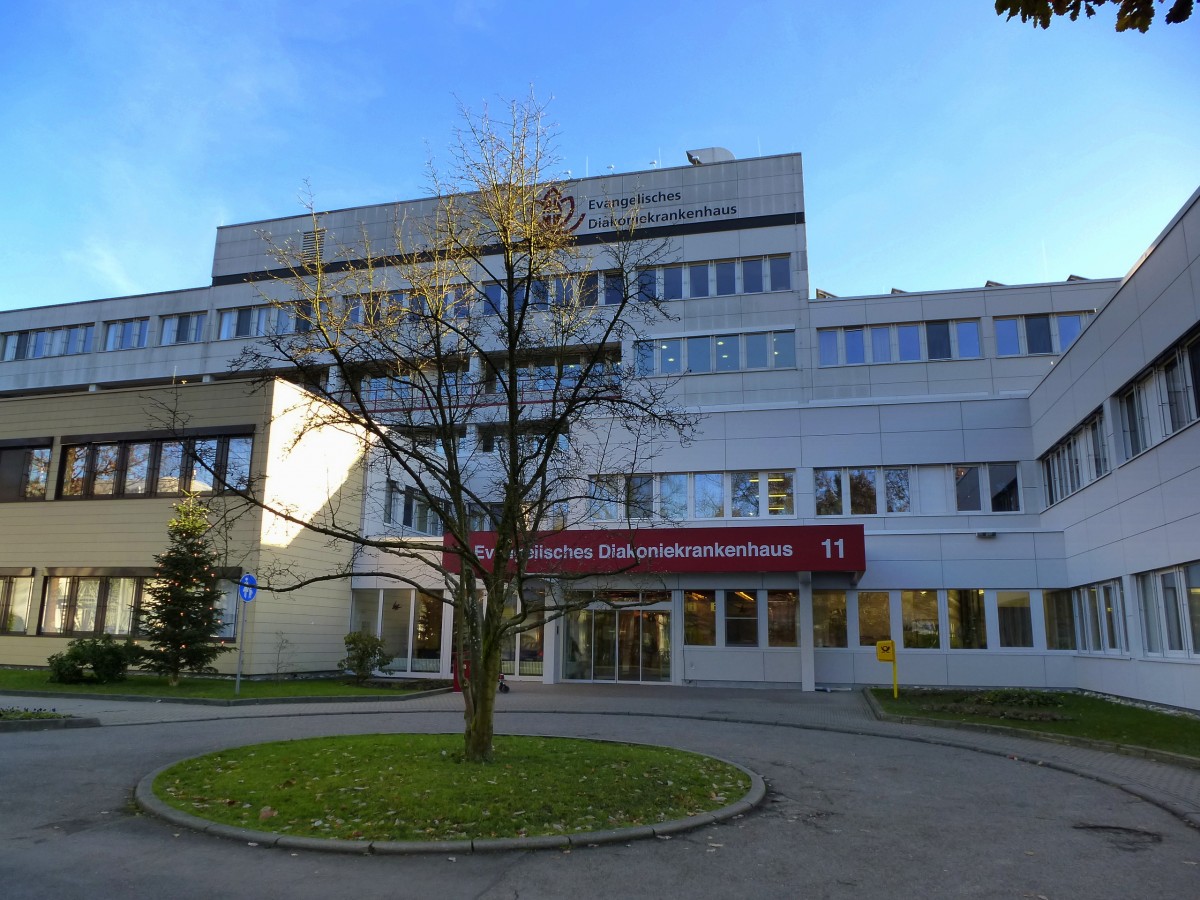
480	711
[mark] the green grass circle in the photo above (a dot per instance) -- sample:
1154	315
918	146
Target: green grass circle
416	787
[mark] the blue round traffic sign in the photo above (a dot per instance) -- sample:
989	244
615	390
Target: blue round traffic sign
247	587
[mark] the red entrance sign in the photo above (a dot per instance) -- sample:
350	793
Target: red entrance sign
665	551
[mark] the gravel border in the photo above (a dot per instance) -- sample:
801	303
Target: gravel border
150	803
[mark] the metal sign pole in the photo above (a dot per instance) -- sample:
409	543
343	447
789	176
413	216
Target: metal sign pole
247	588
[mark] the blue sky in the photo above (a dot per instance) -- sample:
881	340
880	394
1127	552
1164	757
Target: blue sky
942	145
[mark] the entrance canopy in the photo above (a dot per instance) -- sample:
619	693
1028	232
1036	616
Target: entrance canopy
670	551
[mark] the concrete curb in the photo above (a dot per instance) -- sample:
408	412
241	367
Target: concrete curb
208	701
48	724
149	802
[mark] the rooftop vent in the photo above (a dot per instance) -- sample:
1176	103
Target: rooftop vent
312	245
1077	278
898	291
990	283
708	156
825	295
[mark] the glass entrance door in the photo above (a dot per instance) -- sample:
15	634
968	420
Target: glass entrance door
617	645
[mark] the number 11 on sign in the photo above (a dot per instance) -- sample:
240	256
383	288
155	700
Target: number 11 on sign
830	545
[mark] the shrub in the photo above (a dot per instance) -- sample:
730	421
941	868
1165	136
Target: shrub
1019	697
364	654
107	660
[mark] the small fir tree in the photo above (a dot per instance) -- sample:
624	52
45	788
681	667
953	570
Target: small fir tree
182	618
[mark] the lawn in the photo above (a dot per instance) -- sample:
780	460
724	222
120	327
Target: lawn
416	787
1076	715
210	688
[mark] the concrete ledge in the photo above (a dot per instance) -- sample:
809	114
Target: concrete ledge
48	724
1162	756
208	701
149	802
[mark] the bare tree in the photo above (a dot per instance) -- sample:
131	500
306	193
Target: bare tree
482	355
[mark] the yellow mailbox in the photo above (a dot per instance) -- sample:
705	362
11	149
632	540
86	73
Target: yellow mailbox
885	651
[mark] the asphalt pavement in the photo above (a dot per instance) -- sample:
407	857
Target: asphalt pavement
855	807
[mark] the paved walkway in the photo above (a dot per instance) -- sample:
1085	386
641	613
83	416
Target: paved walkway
857	807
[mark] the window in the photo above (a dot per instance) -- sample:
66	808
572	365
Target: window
966	335
130	468
1008	341
127	334
829	618
698	280
407	507
24	472
15	593
752	276
827	488
874	617
185	329
856	353
673	283
1069	326
1170	607
728	354
996	481
743	494
1060	620
919	615
249	321
827	344
968	626
709	495
726	277
937	340
700	618
1037	335
741	619
1099	609
782	618
1135	425
1015	618
908	340
1178	410
66	341
881	344
781	273
86	606
854	491
781	494
673	497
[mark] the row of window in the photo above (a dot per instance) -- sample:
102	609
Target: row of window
164	467
406	506
89	605
851	491
700	495
910	342
740	618
1077	461
717	353
1173	386
700	279
945	339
